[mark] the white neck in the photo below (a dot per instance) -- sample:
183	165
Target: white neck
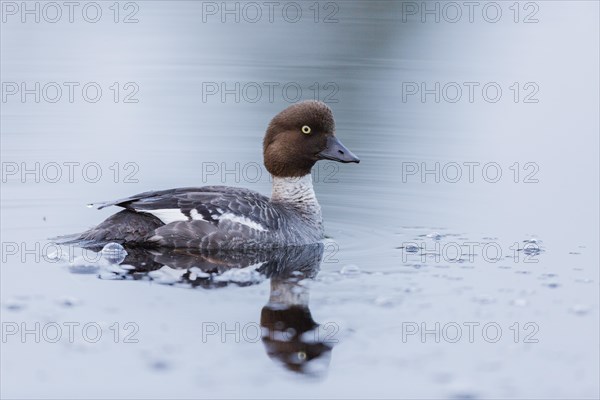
298	192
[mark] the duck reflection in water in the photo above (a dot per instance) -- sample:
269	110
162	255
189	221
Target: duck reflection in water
289	333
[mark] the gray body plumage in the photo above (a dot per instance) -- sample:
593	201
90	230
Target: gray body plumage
216	217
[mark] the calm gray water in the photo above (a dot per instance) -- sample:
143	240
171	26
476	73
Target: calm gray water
462	253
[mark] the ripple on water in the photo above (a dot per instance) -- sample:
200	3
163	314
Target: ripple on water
519	302
552	285
384	301
484	300
82	265
580	309
14	305
350	270
68	302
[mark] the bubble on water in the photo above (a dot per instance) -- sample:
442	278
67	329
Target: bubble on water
531	250
411	248
350	269
580	309
434	236
113	253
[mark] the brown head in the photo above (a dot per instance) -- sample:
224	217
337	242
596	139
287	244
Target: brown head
301	135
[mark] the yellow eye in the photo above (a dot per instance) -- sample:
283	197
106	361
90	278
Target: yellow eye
306	129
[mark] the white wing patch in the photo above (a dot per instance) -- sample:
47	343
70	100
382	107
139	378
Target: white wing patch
243	221
167	215
196	216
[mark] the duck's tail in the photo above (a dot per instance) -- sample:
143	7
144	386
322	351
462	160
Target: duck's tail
124	227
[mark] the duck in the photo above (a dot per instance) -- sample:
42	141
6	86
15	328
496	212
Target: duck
233	218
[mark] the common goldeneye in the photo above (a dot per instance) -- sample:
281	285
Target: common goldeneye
221	217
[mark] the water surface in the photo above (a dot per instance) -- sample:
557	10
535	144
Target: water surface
389	271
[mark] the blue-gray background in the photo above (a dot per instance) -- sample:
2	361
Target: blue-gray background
365	57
